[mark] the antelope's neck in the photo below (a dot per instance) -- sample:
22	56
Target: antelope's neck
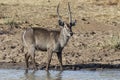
63	38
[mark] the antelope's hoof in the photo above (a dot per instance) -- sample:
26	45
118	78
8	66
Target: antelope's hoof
35	69
61	69
46	69
26	71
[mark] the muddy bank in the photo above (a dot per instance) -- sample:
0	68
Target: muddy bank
91	66
95	43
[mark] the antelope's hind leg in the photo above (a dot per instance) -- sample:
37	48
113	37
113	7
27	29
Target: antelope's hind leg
34	62
26	62
32	53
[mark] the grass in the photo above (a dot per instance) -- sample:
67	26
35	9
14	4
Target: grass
105	2
113	42
12	23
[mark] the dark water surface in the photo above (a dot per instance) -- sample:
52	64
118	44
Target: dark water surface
12	74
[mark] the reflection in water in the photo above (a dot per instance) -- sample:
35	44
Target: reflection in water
30	76
12	74
57	76
47	76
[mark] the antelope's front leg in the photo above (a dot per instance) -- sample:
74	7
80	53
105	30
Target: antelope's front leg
49	59
59	55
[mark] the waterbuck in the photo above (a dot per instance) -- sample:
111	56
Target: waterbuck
47	40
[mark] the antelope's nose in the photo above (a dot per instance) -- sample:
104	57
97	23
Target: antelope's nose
71	33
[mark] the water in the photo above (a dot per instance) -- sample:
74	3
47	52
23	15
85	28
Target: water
13	74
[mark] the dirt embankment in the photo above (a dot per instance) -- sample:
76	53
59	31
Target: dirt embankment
95	43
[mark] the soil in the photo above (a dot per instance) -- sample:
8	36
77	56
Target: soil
96	39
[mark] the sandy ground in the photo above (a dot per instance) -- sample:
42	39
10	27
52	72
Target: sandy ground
96	39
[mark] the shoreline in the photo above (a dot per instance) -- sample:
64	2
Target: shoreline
93	66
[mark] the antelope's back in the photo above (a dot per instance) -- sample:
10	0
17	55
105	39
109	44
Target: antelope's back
40	37
44	37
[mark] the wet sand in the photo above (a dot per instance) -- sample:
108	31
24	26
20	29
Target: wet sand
91	66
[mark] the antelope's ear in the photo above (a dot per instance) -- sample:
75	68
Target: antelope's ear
61	23
73	23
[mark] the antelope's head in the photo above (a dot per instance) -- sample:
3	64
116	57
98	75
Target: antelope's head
66	27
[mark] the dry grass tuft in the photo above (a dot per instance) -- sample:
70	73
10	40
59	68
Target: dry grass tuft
105	2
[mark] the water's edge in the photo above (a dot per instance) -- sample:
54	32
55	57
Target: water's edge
92	66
